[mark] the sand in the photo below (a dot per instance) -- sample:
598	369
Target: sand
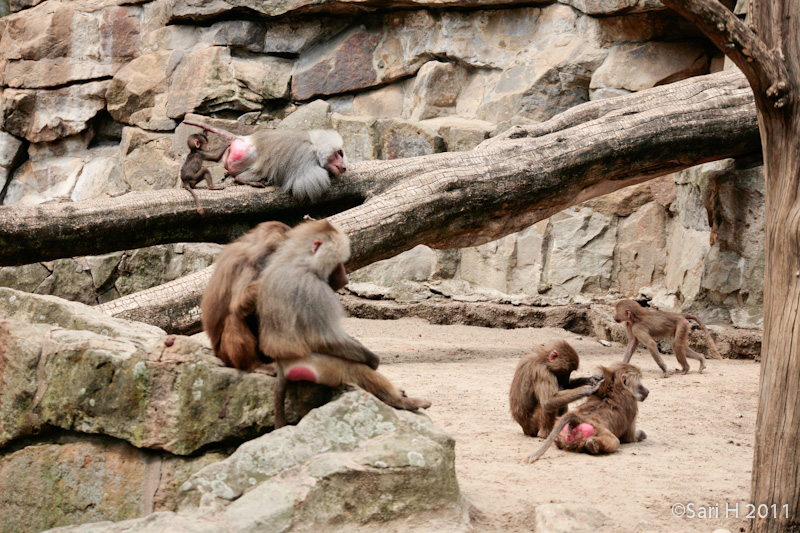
700	430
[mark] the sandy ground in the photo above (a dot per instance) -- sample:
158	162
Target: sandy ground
700	430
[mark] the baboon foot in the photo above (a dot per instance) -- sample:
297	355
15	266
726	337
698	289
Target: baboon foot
592	446
410	404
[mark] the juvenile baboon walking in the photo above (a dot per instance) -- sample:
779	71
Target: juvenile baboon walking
643	325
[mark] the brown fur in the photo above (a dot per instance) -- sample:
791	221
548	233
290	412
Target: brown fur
542	389
643	325
611	413
300	319
193	172
229	301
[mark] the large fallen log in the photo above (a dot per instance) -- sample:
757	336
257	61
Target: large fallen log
510	182
444	200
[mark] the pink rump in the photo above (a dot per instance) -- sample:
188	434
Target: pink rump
301	373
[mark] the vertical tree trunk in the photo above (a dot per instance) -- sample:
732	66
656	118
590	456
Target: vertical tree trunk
769	55
776	461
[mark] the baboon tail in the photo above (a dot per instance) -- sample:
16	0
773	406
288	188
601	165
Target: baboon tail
196	201
568	418
711	345
212	129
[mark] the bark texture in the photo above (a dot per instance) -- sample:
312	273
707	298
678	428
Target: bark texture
444	200
463	199
770	57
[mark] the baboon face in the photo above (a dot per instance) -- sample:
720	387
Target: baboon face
633	381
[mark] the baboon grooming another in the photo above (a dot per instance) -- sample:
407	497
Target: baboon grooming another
542	389
300	319
607	418
229	301
643	325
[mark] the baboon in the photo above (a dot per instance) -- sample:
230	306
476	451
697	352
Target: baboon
542	388
607	418
300	319
193	171
297	161
229	301
645	324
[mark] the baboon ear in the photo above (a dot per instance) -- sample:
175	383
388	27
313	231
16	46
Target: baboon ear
553	356
197	143
625	379
315	246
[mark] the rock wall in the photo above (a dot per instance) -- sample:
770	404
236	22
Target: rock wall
92	94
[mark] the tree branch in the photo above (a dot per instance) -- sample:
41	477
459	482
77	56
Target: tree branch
463	199
137	219
513	181
763	67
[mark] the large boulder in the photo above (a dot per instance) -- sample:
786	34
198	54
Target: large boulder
353	462
78	481
99	375
634	67
97	391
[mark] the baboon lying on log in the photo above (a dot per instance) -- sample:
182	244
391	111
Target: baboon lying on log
297	161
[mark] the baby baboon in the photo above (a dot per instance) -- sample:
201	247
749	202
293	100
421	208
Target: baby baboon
193	171
229	301
645	324
300	318
542	389
607	418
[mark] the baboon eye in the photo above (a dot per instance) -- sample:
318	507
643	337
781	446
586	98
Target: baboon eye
315	246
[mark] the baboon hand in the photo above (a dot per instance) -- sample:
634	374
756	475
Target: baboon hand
595	382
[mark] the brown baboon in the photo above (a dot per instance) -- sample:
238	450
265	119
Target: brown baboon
300	162
643	325
300	319
607	418
229	301
193	171
542	389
